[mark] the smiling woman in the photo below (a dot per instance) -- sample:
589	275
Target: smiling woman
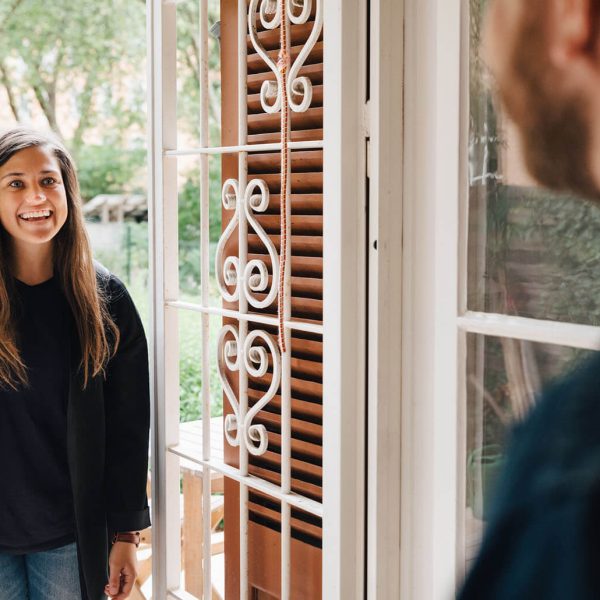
74	398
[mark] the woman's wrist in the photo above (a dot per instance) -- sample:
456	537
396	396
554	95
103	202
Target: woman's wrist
132	537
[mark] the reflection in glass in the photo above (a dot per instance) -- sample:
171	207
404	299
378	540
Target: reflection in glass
531	252
504	378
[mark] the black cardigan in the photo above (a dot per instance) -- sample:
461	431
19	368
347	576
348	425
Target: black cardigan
107	441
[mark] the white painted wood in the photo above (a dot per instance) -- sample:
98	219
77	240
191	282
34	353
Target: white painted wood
344	296
254	317
180	595
306	504
275	147
463	260
206	564
572	335
162	215
430	299
385	124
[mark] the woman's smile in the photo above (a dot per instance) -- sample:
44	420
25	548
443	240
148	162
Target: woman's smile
36	216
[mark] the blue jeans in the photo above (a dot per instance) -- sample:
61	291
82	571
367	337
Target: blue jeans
47	575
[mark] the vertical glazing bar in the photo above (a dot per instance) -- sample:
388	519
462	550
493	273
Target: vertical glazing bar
286	413
243	303
463	223
205	279
164	285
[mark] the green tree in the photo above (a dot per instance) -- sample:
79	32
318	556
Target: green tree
77	50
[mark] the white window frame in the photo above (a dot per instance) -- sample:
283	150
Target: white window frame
344	327
435	316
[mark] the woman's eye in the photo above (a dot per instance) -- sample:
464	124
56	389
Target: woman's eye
15	184
49	181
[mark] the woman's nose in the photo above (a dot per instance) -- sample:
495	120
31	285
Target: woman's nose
38	196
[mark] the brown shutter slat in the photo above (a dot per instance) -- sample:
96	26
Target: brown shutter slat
301	224
304	204
313	72
270	38
265	122
304	245
261	505
254	104
304	135
256	63
309	412
299	425
270	162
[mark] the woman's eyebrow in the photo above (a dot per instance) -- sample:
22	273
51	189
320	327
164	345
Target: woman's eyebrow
46	172
12	175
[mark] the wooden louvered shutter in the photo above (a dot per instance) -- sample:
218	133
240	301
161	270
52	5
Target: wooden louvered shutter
307	304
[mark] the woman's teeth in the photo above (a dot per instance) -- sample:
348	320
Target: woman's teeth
38	215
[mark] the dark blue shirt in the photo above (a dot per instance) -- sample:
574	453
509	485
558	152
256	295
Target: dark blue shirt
36	507
543	538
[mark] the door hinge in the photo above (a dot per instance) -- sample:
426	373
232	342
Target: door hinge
367	119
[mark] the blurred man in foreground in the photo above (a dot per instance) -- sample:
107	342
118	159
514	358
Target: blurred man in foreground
543	538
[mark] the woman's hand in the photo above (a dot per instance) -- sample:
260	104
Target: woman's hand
122	564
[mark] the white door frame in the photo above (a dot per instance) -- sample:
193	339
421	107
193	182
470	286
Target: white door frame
384	121
344	295
433	347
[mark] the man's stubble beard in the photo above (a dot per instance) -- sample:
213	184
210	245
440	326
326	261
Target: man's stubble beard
553	125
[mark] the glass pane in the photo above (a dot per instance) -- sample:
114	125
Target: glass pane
504	378
531	252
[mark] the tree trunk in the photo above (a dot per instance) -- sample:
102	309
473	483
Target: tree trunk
9	91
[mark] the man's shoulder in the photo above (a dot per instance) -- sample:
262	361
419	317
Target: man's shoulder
571	406
556	450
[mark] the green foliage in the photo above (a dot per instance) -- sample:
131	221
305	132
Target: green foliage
189	225
190	372
102	170
71	48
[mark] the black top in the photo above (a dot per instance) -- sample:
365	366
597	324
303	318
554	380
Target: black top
36	506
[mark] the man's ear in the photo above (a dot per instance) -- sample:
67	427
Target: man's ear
571	31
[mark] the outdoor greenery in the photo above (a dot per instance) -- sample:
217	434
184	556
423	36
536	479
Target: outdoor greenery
78	67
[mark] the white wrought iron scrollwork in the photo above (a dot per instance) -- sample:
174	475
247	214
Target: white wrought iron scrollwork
227	270
269	13
256	275
302	86
256	361
270	90
228	358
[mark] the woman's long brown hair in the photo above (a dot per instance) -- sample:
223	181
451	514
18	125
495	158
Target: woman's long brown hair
72	257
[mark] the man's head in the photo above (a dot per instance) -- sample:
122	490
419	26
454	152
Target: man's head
545	56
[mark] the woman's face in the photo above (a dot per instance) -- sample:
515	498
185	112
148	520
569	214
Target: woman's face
33	200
